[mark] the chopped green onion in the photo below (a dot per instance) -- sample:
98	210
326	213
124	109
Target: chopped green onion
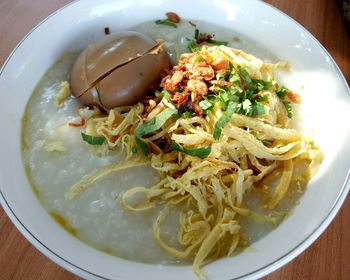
244	95
216	42
289	108
196	34
133	150
197	152
192	46
224	119
166	22
282	92
154	124
165	94
93	140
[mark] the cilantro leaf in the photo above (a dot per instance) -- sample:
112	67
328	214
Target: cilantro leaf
257	109
205	104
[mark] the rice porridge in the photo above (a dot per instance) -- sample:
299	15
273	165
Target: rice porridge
95	217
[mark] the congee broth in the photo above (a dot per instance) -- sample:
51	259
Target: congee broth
253	166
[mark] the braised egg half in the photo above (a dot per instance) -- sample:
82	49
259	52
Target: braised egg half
117	70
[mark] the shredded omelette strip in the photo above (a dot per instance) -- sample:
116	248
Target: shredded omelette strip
210	191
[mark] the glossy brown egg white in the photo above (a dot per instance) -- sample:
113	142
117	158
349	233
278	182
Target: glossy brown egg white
117	70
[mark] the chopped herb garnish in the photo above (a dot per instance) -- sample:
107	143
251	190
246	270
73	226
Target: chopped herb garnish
133	150
197	152
187	115
222	76
142	145
175	116
165	95
263	97
266	142
256	109
158	93
154	124
234	77
202	37
246	106
289	108
262	85
166	22
196	34
224	119
206	105
227	94
93	140
216	42
244	95
199	58
231	75
192	45
246	77
224	96
282	92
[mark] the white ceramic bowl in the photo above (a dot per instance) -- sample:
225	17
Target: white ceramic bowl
326	109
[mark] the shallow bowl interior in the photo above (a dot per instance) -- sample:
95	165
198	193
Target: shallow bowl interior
325	110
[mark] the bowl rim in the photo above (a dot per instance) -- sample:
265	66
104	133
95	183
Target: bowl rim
260	272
